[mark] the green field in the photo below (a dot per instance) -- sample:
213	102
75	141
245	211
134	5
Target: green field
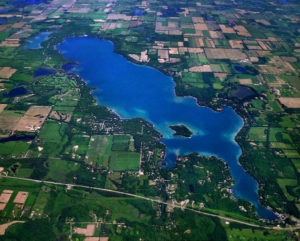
59	170
278	134
124	161
283	183
257	134
53	137
100	149
13	148
120	143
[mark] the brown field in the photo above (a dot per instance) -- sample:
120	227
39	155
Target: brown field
18	25
220	75
245	81
10	42
4	198
6	72
113	16
215	34
33	119
21	197
200	26
173	51
226	29
233	54
163	53
96	239
236	44
79	10
198	20
88	231
241	30
253	47
60	116
4	226
263	45
290	102
202	68
2	107
195	50
263	21
8	122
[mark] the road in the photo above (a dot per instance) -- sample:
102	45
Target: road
290	228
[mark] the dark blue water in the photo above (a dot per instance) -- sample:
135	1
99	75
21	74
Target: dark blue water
2	21
35	42
139	91
240	69
69	66
27	2
43	72
138	12
17	91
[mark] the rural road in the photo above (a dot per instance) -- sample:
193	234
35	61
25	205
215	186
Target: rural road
290	228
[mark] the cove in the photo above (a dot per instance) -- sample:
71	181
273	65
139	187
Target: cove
139	91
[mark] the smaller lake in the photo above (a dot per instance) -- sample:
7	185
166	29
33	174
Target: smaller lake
35	42
43	71
27	2
17	91
240	69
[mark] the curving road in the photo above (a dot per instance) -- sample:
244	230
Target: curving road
290	228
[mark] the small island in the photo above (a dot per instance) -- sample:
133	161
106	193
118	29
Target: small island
181	130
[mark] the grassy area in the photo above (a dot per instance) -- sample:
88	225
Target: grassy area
120	143
100	149
124	161
60	170
257	134
13	148
254	235
283	183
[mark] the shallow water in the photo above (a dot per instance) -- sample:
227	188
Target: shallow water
35	42
139	91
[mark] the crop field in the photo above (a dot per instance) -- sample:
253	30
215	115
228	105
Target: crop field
13	148
8	120
283	183
53	137
60	170
33	119
99	149
6	72
124	161
278	134
257	134
120	143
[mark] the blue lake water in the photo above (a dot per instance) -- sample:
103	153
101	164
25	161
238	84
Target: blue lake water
27	2
43	71
240	69
140	91
35	42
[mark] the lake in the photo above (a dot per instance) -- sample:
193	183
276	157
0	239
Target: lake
139	91
35	42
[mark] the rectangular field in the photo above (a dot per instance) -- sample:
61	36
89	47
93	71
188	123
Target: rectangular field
124	161
120	143
99	149
33	119
257	134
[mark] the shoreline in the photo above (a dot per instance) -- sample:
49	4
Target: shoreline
233	137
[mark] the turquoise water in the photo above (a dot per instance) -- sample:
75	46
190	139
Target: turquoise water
35	42
138	91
